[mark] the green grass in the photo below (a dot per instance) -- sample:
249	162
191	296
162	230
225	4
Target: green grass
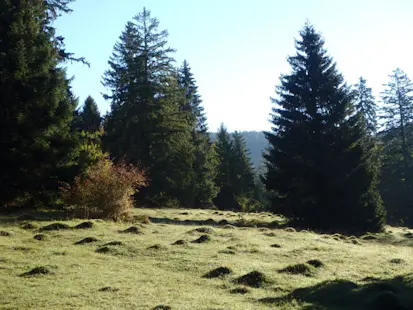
353	276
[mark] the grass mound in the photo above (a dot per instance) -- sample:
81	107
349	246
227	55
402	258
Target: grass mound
106	250
5	233
386	300
38	271
408	235
240	290
253	279
223	222
218	273
275	245
228	226
202	239
86	240
368	237
40	237
354	241
316	263
84	225
29	226
108	289
204	230
132	230
157	247
210	222
180	242
299	269
290	229
55	226
397	261
115	243
162	307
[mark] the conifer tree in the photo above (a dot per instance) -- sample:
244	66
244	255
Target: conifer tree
224	178
204	166
36	108
243	168
194	102
320	164
147	125
89	116
397	164
235	176
398	110
365	104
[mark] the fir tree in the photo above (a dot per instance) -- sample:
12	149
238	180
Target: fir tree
89	117
398	110
243	168
246	189
365	104
194	102
147	125
320	164
397	166
36	108
224	178
235	177
204	166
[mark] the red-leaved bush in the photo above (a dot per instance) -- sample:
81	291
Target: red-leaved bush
104	191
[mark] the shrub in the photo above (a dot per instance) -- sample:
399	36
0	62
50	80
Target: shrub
104	191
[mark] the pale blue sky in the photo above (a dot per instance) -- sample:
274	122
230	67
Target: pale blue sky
237	48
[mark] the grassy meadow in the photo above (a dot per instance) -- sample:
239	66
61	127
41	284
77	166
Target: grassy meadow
267	266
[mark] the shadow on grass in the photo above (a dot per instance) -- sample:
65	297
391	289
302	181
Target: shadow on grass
211	222
394	294
43	215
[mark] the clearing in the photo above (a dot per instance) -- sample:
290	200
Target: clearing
248	262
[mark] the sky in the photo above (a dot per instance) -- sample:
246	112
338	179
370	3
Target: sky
237	49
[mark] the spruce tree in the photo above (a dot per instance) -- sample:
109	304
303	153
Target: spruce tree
397	165
398	111
320	165
194	102
366	105
246	189
89	116
235	176
147	125
36	108
204	166
244	171
224	178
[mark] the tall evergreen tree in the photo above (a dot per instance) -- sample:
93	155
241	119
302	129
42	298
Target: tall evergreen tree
224	178
244	171
398	110
366	105
36	107
194	102
320	164
235	176
89	116
397	165
147	125
204	166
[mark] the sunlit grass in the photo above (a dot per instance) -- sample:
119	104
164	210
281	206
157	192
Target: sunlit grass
143	277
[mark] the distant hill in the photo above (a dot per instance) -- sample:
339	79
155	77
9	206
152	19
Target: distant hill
256	143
